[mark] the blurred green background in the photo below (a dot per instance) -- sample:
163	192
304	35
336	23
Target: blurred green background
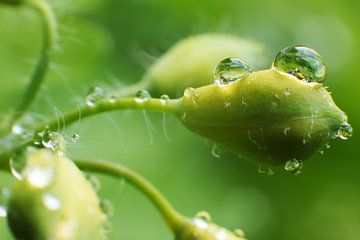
111	42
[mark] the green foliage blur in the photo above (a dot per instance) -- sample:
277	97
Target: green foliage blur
111	42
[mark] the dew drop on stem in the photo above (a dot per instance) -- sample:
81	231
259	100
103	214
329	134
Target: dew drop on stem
96	94
230	70
345	131
142	96
164	99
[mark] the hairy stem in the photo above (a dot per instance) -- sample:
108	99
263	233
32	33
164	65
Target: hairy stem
49	37
173	219
153	104
12	142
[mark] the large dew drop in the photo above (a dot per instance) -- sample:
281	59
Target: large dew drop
302	62
230	70
294	166
142	96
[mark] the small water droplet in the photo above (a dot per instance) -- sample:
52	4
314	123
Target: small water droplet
270	172
95	182
302	62
294	166
327	146
205	216
95	95
5	194
345	131
53	141
142	96
17	129
199	222
17	164
230	70
107	207
51	202
239	233
112	99
164	99
75	137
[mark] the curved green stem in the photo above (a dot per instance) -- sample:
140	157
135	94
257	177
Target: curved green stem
107	105
12	142
49	38
173	219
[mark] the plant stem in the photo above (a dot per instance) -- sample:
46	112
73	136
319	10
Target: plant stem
173	219
49	37
11	143
107	105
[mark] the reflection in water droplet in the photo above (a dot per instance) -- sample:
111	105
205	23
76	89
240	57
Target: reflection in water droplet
142	96
201	223
54	141
51	202
230	70
345	131
164	99
204	216
95	95
188	92
107	207
302	62
294	166
75	137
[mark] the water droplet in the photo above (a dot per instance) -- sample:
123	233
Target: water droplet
164	99
5	194
239	233
205	216
17	129
302	62
53	141
75	137
142	96
294	166
95	182
112	99
39	176
345	131
199	222
270	172
230	70
107	207
51	202
17	164
95	95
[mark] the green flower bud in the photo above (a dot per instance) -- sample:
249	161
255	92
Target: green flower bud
267	116
54	201
190	62
200	228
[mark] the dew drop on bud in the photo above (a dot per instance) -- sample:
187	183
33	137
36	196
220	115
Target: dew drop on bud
239	233
142	96
345	131
230	70
94	181
294	166
107	207
164	99
5	194
95	95
302	62
203	215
